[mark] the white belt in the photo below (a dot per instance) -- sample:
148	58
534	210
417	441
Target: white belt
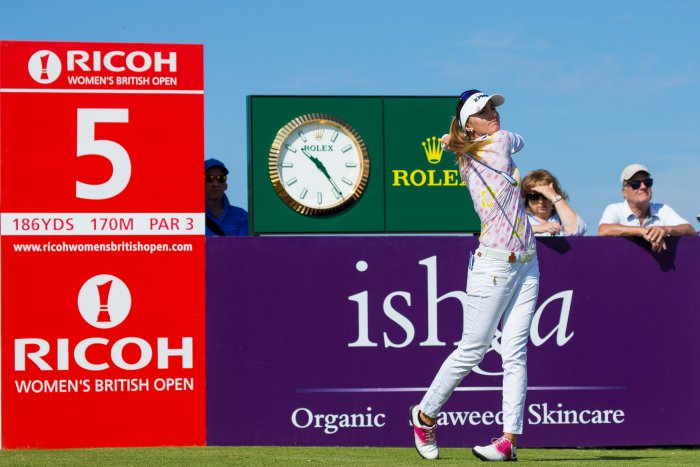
510	256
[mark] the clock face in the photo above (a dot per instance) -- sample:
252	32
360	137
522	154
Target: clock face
318	164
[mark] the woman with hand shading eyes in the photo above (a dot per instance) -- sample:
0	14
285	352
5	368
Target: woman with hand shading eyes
547	206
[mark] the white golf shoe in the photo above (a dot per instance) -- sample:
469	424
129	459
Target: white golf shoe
500	450
423	436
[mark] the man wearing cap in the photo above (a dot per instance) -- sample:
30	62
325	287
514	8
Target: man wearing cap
222	218
637	215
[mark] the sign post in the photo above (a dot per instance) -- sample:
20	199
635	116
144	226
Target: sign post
102	245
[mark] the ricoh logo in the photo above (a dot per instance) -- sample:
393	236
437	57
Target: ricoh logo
46	66
104	302
430	177
118	61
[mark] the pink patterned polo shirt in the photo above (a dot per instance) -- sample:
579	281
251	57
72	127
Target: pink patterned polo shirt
504	223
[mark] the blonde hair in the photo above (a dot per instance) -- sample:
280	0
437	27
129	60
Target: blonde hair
464	142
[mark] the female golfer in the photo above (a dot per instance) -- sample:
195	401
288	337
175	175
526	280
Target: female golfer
503	277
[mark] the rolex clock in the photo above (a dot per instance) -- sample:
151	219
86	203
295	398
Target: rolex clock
318	164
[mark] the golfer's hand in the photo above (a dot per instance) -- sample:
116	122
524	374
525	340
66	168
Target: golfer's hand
445	140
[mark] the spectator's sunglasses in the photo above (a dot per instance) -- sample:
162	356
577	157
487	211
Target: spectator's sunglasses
215	178
535	196
635	184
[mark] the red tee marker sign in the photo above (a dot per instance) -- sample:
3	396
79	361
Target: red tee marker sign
102	245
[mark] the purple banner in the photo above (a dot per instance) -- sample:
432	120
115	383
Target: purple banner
328	340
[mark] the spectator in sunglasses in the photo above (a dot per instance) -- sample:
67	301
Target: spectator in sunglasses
222	218
637	215
547	206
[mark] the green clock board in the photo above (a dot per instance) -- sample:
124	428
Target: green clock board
353	165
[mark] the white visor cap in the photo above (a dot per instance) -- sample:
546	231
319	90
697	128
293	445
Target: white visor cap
475	103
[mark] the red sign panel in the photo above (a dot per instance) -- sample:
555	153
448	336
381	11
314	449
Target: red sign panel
102	245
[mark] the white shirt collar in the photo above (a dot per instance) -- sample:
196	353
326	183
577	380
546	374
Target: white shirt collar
629	215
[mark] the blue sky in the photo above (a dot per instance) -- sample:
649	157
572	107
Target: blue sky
591	85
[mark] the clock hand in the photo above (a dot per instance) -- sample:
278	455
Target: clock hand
319	165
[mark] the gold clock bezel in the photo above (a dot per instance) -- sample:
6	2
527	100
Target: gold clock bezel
290	128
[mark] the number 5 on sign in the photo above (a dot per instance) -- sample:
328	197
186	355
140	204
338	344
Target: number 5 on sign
113	152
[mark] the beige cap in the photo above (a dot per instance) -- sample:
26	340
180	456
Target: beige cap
629	171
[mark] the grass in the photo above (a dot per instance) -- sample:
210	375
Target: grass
335	456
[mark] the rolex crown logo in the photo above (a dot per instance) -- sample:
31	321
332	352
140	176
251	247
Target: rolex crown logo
318	134
433	149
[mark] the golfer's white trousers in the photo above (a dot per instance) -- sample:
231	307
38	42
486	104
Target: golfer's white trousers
498	291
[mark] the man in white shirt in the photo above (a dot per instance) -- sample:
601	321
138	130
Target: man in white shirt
637	215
